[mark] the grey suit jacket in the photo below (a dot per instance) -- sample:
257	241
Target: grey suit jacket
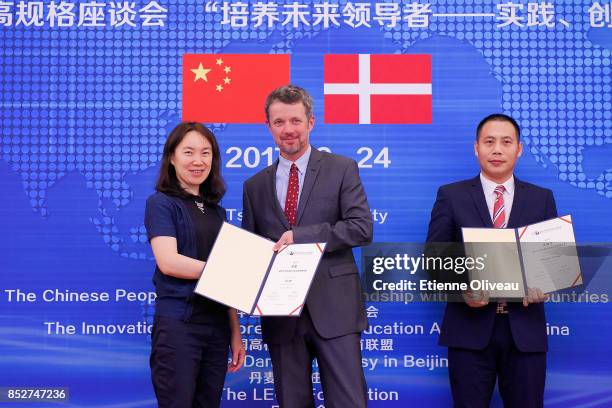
333	208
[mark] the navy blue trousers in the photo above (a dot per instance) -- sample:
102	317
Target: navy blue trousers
520	375
188	363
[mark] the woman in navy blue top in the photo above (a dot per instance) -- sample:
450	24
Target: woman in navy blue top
191	334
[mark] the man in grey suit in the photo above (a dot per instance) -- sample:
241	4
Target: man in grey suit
313	196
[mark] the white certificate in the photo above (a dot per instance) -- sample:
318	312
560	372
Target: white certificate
549	255
541	255
502	264
289	279
243	272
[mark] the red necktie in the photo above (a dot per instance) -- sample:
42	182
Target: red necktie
499	213
291	200
499	221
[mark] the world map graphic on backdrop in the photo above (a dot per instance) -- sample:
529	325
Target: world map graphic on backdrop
101	103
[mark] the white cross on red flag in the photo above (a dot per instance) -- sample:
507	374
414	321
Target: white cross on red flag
377	88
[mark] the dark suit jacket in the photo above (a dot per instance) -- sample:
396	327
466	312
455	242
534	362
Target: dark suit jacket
463	204
333	208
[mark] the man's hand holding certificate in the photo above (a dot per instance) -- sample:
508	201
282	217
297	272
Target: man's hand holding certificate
244	272
526	262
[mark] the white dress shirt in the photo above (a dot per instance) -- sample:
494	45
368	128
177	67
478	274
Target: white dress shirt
488	187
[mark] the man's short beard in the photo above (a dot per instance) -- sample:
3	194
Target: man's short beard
292	150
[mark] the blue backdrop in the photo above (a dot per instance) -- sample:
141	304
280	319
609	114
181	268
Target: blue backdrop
90	90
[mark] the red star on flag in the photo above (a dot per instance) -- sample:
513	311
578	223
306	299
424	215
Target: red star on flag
230	88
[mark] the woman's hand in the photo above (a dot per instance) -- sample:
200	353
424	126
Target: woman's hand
237	348
238	354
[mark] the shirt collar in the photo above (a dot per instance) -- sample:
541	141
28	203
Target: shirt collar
488	186
301	163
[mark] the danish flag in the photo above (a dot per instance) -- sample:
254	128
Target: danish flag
377	89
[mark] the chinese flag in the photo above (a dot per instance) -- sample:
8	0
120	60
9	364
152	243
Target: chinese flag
377	89
230	88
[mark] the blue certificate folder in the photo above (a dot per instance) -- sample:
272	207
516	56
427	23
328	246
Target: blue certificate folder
244	272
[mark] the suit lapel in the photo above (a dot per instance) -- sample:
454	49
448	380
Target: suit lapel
271	187
517	204
480	202
312	170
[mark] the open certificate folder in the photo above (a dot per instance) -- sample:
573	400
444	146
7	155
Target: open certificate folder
243	272
541	255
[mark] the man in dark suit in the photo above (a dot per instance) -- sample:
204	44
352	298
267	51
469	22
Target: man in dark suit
493	340
313	196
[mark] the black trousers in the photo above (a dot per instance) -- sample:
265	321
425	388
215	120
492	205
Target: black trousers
339	361
188	363
520	375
